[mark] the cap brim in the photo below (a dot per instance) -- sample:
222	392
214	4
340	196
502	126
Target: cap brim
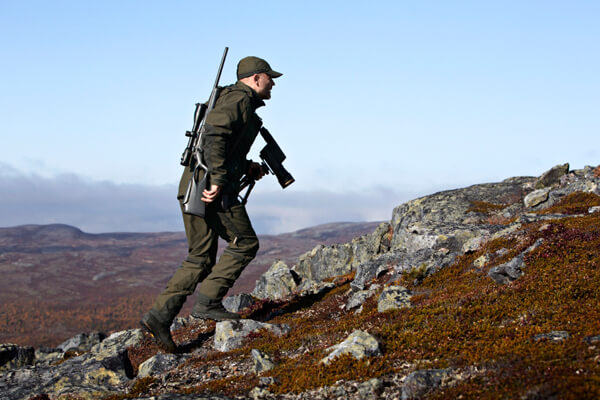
274	74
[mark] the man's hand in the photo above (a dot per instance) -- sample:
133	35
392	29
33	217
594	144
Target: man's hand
255	171
208	196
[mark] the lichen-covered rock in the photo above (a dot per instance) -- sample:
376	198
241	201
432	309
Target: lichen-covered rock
552	176
374	268
47	356
536	197
277	283
15	356
312	288
83	341
230	335
419	383
324	262
357	299
370	390
160	363
394	298
262	361
102	371
359	344
453	206
238	302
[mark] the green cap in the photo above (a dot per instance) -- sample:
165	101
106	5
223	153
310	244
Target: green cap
249	66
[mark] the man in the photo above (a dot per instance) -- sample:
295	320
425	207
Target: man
231	127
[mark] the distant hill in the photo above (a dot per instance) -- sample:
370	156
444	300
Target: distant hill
58	280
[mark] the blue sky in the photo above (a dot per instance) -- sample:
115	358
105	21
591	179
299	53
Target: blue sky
380	102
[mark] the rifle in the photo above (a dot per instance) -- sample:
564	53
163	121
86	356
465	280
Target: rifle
273	158
192	155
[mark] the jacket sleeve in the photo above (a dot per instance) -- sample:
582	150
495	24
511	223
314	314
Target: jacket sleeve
229	115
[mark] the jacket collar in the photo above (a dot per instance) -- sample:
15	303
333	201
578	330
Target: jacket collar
254	98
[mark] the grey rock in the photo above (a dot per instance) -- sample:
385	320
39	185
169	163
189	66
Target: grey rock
102	371
358	298
473	244
238	302
277	283
14	356
359	344
370	390
372	269
160	363
552	176
47	356
262	361
512	270
508	272
554	336
313	288
536	197
259	393
593	210
451	207
394	298
230	335
83	341
419	383
324	262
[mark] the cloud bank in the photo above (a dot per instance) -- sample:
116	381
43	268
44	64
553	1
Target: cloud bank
101	206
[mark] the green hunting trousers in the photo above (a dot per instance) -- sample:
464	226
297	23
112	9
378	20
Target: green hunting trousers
215	278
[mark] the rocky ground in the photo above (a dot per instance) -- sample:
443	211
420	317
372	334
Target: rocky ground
489	291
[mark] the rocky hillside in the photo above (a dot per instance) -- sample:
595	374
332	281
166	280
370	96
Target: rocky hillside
486	292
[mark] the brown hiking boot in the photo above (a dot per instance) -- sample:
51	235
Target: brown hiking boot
207	308
160	331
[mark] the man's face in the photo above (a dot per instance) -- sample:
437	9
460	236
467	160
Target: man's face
264	84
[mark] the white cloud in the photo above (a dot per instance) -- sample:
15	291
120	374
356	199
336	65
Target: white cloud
102	206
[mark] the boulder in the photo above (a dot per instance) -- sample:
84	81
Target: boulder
82	342
552	176
262	361
230	335
370	390
160	363
102	371
277	283
324	262
359	344
14	356
419	383
357	299
394	298
536	197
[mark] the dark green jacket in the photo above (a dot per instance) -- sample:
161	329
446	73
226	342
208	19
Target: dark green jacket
231	128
